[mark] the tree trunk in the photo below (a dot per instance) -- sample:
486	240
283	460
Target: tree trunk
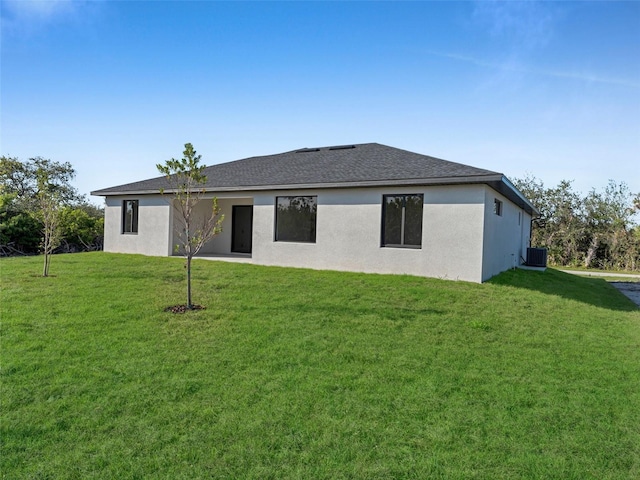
189	305
593	247
45	269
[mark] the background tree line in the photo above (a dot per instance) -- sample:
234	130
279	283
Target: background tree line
40	211
597	230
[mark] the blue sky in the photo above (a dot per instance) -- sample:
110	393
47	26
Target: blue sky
548	88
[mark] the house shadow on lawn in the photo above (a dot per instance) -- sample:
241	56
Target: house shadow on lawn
592	291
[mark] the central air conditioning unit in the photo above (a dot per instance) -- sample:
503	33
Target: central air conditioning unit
536	257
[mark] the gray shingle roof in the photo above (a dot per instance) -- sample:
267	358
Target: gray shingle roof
368	164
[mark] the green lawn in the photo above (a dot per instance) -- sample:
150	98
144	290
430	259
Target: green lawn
293	373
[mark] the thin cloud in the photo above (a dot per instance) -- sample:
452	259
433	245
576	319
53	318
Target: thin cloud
37	9
514	67
20	17
526	25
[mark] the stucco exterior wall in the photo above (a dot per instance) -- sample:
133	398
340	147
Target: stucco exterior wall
506	236
154	226
349	226
526	236
221	243
462	239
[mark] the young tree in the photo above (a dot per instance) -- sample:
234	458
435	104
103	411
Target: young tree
186	180
37	190
24	186
49	204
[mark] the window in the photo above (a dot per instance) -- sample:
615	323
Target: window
402	220
296	219
497	207
130	216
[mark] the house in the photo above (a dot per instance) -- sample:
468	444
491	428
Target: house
365	208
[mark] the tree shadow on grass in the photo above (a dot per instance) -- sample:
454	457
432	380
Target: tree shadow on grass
592	291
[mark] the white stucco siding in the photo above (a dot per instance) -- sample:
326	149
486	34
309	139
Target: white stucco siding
453	230
348	233
525	241
221	243
506	236
462	239
347	230
154	226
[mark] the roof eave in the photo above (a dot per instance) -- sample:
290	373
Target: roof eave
304	186
509	190
497	181
112	193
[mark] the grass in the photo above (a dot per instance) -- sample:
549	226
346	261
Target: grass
292	373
